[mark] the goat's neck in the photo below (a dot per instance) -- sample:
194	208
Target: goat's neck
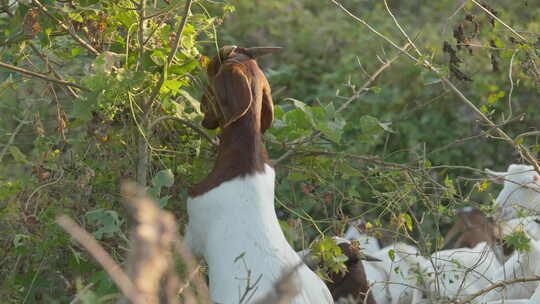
241	152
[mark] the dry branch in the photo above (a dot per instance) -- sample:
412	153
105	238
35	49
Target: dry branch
151	264
66	28
499	285
41	76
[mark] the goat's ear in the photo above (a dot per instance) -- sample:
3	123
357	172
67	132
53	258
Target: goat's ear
208	107
233	92
267	110
497	177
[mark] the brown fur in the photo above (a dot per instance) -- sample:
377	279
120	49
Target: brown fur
239	101
473	228
353	283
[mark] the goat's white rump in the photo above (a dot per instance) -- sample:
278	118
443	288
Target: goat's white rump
521	189
235	228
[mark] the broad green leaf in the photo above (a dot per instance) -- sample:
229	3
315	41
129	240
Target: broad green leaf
164	178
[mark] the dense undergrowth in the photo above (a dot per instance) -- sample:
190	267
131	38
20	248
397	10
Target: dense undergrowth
403	151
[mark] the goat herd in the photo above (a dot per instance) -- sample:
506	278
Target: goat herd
234	227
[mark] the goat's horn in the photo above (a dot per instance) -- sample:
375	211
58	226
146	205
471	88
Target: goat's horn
261	51
367	257
495	173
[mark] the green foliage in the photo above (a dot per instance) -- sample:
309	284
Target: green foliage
402	153
328	256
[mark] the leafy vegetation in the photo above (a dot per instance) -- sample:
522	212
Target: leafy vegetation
117	98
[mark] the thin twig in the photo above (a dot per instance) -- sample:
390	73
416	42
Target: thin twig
67	28
12	138
499	20
511	82
41	76
401	29
49	66
115	272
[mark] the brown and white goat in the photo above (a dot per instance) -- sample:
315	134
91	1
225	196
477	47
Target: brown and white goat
232	220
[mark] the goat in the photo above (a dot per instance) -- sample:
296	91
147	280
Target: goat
357	231
471	228
519	265
529	224
394	278
353	283
521	189
232	219
458	273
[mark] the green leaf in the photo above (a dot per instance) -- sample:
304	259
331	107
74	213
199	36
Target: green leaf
370	125
44	37
184	68
108	222
164	178
76	16
518	240
392	254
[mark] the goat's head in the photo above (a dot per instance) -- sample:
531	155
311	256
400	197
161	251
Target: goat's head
471	228
237	85
521	187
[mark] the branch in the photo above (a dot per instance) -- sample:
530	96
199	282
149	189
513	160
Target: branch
499	20
193	126
176	43
103	258
498	285
524	152
49	66
67	28
41	76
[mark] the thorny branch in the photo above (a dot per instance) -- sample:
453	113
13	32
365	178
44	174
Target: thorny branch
523	150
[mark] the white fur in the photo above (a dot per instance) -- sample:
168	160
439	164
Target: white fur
458	273
526	224
391	278
237	221
521	188
519	265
